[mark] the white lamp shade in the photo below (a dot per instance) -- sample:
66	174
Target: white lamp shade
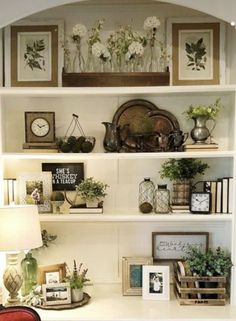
19	228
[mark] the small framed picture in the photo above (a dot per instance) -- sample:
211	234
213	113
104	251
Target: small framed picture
132	271
55	294
51	274
173	245
156	282
36	188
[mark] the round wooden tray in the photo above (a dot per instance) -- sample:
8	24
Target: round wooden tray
85	300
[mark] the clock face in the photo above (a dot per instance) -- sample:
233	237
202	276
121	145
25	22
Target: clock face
200	202
40	127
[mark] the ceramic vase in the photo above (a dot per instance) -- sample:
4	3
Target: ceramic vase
77	295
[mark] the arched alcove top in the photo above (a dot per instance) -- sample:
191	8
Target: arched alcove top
14	10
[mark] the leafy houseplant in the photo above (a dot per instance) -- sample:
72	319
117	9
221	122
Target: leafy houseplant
211	263
91	190
182	171
77	279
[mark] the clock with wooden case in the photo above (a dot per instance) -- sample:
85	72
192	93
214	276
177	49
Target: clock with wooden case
39	130
200	202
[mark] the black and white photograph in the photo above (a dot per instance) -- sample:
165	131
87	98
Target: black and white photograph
54	294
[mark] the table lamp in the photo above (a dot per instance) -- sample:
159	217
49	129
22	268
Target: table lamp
19	230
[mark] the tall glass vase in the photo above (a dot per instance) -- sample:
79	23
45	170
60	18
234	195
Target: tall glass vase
29	269
78	62
151	56
89	66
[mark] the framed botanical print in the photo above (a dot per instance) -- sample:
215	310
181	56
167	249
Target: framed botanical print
34	53
36	188
197	50
132	271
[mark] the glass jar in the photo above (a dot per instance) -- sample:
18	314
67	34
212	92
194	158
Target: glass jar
151	56
146	195
29	269
162	199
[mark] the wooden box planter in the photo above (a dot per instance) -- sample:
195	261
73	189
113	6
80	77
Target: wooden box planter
116	79
193	290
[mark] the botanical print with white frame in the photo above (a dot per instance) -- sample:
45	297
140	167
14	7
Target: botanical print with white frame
58	52
184	30
36	188
132	274
56	294
156	282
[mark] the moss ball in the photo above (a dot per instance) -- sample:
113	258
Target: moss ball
72	140
81	139
76	148
86	147
145	207
65	148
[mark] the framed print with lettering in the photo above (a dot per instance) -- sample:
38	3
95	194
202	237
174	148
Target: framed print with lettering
197	51
156	282
173	245
132	274
65	176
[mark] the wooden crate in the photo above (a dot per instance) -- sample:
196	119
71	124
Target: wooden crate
115	79
189	292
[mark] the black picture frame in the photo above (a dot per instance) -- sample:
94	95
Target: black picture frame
200	212
65	176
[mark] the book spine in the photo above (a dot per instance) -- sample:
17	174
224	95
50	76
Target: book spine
225	194
219	196
213	197
230	199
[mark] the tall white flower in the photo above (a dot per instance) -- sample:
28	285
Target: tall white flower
135	49
151	23
100	51
79	30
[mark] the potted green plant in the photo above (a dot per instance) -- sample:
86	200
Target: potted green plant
182	171
200	114
77	279
212	263
91	191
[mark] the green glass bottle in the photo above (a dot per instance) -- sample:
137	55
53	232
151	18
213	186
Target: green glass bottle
29	269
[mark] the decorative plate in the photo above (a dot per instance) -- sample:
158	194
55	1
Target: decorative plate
128	115
164	121
85	300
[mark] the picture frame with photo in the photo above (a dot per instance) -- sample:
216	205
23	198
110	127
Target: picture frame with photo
156	282
51	274
132	270
197	48
43	68
36	188
173	245
56	294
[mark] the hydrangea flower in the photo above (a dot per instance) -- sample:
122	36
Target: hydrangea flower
135	49
79	30
100	51
151	23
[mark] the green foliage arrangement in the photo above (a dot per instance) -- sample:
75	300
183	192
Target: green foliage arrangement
47	238
183	168
211	263
90	189
77	278
210	111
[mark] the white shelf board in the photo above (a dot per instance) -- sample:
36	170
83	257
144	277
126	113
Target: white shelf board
134	216
107	304
116	156
106	91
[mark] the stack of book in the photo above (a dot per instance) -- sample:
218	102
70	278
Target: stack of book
200	147
180	208
82	209
221	194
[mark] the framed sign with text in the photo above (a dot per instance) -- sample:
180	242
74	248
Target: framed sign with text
173	245
65	176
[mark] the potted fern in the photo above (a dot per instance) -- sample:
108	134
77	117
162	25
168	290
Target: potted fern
77	279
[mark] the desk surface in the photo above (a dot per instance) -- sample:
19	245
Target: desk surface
107	303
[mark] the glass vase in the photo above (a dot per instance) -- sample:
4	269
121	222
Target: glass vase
89	67
29	269
78	61
146	195
162	199
151	56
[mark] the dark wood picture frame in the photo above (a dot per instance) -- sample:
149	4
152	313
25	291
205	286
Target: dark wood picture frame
52	52
174	246
49	117
214	33
62	172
